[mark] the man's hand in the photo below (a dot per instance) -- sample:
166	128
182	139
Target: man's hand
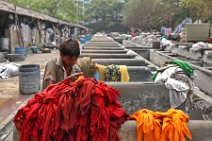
74	77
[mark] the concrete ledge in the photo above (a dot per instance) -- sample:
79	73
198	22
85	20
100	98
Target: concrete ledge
139	74
128	62
116	56
127	44
207	57
183	51
204	79
102	44
139	95
143	52
195	55
200	130
105	51
103	48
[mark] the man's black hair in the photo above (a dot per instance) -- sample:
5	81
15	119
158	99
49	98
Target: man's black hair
70	47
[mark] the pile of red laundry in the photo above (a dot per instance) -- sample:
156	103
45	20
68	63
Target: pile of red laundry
85	110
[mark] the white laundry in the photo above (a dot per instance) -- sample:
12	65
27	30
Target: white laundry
177	90
25	32
9	69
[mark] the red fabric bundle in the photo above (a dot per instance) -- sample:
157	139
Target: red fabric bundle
86	110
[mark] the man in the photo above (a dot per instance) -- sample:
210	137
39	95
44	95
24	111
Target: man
63	67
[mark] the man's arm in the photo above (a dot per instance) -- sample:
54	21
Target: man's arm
50	74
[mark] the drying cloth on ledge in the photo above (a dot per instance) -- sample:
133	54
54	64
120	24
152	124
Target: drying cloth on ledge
184	66
85	110
113	73
178	84
157	126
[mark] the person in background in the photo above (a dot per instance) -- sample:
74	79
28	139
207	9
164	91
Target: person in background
51	35
63	67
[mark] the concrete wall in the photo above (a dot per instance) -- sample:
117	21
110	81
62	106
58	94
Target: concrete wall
204	76
143	52
102	44
103	48
136	96
115	56
128	62
200	131
105	51
139	74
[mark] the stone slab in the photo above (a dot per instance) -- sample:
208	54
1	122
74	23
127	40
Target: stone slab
200	130
127	62
103	56
105	51
103	48
138	95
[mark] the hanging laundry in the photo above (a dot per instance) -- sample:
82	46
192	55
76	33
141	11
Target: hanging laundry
148	126
158	126
25	32
85	110
184	65
113	73
124	73
101	71
178	77
168	32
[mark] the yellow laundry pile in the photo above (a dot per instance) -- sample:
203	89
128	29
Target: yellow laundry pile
157	126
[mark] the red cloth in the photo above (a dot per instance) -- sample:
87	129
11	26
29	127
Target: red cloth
86	110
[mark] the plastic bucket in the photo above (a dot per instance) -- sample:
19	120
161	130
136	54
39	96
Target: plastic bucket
29	79
21	51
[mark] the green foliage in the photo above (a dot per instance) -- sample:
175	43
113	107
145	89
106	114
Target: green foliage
149	14
105	15
198	9
152	14
63	9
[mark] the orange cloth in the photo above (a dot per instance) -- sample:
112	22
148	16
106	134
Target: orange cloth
157	126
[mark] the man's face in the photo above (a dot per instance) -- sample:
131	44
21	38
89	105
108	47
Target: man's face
68	60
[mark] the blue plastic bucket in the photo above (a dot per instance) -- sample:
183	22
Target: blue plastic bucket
21	51
82	41
88	37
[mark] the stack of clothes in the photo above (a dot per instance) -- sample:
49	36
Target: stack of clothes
72	111
113	73
178	77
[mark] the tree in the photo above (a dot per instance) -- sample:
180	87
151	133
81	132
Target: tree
152	14
63	9
198	9
105	15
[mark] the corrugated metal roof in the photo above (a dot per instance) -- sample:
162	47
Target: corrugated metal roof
8	7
